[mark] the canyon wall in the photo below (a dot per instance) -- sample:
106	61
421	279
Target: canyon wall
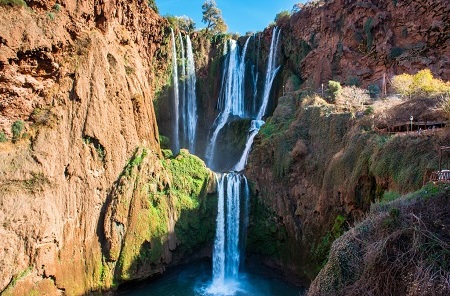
356	42
81	163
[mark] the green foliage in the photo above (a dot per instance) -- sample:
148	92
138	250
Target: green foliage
51	15
353	81
368	30
389	196
282	17
13	3
16	129
129	70
97	146
152	5
212	17
420	84
184	23
3	137
395	52
164	142
369	110
334	88
57	7
321	250
265	235
374	90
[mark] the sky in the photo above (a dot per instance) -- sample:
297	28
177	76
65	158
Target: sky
241	16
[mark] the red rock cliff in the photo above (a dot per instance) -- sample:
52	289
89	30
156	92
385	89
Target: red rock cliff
81	76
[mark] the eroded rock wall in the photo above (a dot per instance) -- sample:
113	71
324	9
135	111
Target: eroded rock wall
81	76
356	42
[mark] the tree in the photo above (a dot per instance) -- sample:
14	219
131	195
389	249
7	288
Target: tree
212	17
420	84
186	24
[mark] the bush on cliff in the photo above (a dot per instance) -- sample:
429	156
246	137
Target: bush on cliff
13	3
401	248
420	84
334	88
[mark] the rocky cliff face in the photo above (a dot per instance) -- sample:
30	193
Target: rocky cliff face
358	41
81	77
318	169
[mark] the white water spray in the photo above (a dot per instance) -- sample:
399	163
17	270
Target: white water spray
272	70
231	98
176	102
191	97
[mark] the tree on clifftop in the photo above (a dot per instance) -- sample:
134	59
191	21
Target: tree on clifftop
212	17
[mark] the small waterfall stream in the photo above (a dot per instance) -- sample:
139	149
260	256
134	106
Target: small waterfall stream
176	102
191	98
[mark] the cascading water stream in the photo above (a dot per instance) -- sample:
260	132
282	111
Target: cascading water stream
232	187
191	98
231	99
176	102
182	93
272	71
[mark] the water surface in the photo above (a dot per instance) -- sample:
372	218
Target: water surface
195	280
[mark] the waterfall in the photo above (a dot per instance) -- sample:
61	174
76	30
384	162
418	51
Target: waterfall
191	108
254	129
233	187
256	124
176	138
226	254
272	70
182	92
231	97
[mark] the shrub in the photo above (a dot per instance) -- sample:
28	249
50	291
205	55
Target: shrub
420	84
57	7
152	5
445	106
353	81
282	16
164	142
16	129
3	137
374	90
334	88
13	3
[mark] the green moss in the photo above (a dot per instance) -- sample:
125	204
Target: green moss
13	3
265	235
3	137
16	129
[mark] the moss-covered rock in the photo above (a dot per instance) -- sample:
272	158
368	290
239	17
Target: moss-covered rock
158	213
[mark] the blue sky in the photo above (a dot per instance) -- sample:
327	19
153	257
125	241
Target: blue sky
241	16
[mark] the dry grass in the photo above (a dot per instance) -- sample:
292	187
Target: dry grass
401	248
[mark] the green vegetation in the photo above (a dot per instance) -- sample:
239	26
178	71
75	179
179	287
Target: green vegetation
368	30
57	7
13	3
184	23
374	90
16	129
321	250
212	17
3	137
265	235
334	88
282	17
164	142
152	5
420	84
